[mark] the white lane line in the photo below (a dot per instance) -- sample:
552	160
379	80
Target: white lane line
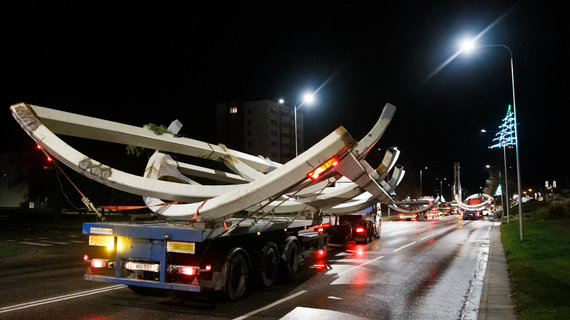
360	265
36	244
60	298
404	246
271	305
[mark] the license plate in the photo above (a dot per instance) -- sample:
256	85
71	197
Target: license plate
138	266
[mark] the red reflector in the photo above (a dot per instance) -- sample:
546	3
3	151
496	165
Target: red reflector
359	230
316	173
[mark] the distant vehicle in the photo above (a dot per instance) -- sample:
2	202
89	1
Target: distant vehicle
432	214
444	208
355	227
486	213
472	215
408	216
474	201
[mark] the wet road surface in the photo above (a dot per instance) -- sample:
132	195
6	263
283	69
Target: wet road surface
416	270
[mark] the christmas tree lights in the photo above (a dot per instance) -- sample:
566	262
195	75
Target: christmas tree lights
506	136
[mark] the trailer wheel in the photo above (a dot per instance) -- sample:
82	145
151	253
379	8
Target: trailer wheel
291	258
269	264
237	277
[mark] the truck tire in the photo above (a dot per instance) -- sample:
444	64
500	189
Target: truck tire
291	258
268	265
237	277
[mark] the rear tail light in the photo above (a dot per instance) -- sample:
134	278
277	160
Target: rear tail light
186	270
359	230
98	263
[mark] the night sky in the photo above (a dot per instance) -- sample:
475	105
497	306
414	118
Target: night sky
154	64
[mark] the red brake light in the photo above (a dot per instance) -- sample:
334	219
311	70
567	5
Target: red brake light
321	229
359	230
316	173
209	267
39	146
98	263
188	271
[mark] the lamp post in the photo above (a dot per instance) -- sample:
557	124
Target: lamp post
469	45
308	98
421	182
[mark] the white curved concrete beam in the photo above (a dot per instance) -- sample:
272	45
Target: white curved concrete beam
106	175
271	185
61	122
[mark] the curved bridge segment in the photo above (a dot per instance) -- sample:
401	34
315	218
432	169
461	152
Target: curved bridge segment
255	182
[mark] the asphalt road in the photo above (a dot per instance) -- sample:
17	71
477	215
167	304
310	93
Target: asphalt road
416	270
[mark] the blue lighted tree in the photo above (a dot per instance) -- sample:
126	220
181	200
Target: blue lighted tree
506	136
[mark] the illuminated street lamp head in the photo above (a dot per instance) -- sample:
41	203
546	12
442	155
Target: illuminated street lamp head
467	45
308	98
281	101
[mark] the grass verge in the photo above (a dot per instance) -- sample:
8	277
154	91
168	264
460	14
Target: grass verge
539	266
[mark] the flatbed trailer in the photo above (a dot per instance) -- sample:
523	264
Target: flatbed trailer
149	256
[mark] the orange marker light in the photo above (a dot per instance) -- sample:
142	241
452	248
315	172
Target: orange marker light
316	173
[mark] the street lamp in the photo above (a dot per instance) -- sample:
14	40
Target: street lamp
421	182
308	98
468	46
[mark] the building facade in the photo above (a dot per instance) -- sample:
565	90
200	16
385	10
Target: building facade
261	127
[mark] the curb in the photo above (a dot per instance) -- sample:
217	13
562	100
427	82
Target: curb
495	300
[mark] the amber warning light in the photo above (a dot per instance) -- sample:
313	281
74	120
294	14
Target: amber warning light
318	171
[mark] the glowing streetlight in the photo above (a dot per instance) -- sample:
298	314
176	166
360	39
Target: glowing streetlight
308	98
468	46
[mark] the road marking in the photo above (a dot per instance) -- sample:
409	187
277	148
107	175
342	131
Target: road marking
36	243
360	265
402	247
271	305
60	298
57	242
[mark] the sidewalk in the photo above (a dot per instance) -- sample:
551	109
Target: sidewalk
495	298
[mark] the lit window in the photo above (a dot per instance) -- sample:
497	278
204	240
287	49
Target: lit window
233	109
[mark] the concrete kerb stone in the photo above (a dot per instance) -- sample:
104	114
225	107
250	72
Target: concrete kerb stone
496	300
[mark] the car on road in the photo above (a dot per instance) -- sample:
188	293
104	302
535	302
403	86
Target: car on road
407	216
355	227
486	213
472	215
